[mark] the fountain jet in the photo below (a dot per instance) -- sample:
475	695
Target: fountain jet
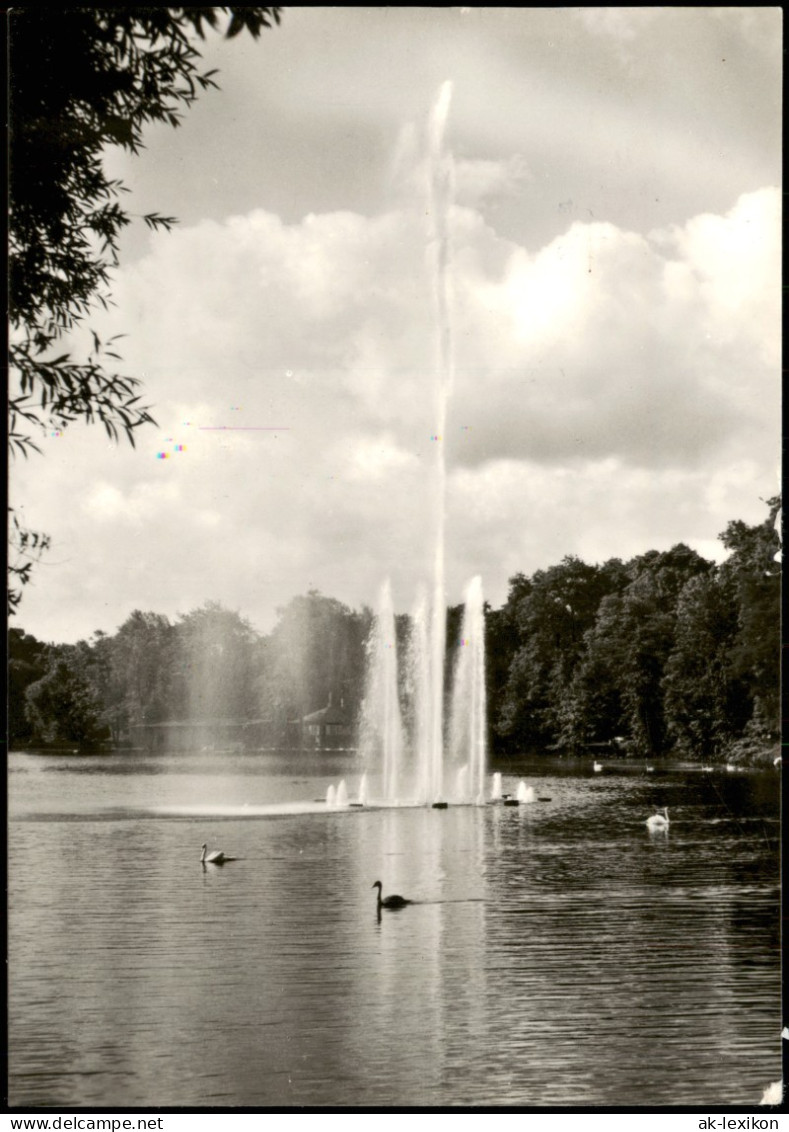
411	760
468	724
381	724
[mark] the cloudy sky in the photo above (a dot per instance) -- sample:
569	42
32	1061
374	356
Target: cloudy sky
614	282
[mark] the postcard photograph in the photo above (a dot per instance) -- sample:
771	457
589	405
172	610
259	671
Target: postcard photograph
395	558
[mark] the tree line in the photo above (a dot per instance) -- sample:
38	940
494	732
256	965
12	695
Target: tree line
209	664
665	653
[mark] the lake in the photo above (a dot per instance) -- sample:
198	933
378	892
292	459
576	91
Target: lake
556	954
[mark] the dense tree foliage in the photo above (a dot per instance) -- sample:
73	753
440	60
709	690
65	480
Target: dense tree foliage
706	703
551	615
664	653
139	671
81	80
27	662
753	569
213	651
316	653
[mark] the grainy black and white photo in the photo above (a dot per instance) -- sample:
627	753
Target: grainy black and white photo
395	558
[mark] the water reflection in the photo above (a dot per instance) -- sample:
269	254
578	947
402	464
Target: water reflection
637	943
556	954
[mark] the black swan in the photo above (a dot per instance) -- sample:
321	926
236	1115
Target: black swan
390	901
215	858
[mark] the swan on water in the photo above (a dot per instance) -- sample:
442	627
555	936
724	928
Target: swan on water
597	767
390	901
659	821
215	858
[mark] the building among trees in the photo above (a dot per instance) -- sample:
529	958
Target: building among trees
328	729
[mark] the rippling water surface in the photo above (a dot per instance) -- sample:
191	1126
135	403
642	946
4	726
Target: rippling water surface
557	954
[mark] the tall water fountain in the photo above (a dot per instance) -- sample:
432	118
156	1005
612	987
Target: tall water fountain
435	756
381	725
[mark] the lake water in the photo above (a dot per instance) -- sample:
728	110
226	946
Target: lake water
558	953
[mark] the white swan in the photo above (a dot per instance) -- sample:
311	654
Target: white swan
597	767
659	821
215	858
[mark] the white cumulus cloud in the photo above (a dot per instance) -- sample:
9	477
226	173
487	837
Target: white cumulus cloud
613	391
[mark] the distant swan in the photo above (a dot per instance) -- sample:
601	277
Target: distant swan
659	821
390	901
597	767
215	858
